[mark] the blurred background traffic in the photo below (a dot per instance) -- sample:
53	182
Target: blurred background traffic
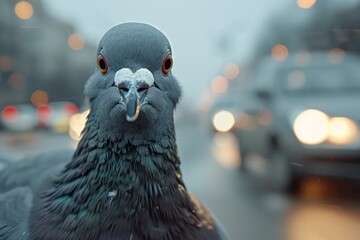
268	128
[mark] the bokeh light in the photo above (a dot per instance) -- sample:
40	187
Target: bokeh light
231	71
343	131
39	97
306	4
279	52
16	80
44	112
336	55
223	121
219	85
24	10
76	42
70	109
6	63
77	124
311	127
9	114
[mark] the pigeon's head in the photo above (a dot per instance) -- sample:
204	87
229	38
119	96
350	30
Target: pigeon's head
133	85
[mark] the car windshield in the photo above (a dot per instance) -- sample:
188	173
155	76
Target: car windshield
329	78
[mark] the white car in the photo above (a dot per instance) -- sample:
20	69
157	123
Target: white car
21	117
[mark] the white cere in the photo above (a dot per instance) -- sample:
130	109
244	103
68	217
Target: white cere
141	75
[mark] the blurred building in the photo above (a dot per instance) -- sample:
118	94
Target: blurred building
324	26
38	52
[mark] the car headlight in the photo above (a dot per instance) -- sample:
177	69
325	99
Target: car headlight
312	127
223	121
343	131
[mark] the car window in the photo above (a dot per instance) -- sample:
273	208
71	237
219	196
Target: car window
332	78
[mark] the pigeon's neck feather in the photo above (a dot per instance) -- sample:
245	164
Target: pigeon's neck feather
134	186
126	166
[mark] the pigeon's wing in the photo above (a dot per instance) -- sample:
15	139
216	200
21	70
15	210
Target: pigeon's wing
15	206
6	159
19	183
31	171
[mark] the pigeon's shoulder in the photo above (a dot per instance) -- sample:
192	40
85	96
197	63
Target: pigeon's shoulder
6	158
20	182
32	170
15	207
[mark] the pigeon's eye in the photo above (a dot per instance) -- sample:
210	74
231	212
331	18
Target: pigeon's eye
167	64
102	64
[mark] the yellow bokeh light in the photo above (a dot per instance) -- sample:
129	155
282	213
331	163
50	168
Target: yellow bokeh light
336	55
311	127
61	125
76	125
24	10
306	4
219	84
76	42
279	52
343	131
231	71
223	121
39	97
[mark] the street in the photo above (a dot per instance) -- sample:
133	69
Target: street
321	209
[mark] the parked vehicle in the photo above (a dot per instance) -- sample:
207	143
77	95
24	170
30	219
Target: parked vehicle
54	116
20	117
303	119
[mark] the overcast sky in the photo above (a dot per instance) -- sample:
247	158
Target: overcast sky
196	29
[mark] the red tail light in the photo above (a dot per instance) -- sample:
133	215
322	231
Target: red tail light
70	109
44	112
10	114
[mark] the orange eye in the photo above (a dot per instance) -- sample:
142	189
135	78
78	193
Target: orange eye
102	64
167	64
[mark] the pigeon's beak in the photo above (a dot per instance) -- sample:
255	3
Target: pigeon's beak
133	87
133	98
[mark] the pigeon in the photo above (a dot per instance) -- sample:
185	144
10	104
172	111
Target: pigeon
124	180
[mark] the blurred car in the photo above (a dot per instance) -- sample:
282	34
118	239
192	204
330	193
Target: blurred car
25	117
56	115
302	117
223	113
20	117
